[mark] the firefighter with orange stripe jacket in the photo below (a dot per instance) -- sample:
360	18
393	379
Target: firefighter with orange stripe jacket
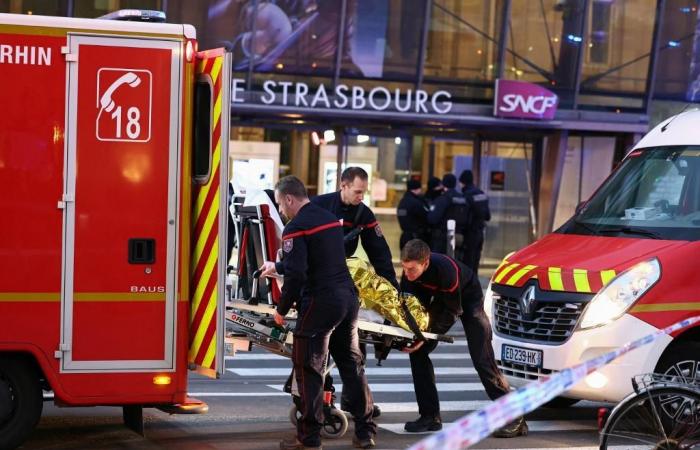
359	222
317	278
449	289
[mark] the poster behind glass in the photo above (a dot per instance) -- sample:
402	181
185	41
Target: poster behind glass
301	36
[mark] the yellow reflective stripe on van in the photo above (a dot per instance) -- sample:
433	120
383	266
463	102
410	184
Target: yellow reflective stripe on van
606	276
581	280
665	307
505	272
555	281
83	297
30	297
518	275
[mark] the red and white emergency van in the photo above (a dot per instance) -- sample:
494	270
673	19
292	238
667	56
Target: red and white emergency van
623	267
113	182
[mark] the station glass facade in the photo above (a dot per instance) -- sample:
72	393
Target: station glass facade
425	73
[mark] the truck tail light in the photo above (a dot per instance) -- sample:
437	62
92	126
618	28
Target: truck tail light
162	380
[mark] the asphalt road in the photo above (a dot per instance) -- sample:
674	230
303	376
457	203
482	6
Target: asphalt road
249	411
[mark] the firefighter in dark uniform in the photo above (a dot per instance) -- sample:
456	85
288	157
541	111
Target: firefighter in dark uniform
480	214
359	222
449	289
316	277
412	213
450	205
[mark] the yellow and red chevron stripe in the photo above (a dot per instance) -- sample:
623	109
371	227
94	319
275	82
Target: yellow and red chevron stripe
205	238
511	273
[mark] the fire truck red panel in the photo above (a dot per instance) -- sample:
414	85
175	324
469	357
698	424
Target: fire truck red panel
121	194
31	169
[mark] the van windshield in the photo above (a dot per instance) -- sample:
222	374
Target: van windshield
654	194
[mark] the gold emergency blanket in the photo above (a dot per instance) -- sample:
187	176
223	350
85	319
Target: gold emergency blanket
377	294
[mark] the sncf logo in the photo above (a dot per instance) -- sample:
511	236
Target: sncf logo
536	104
522	100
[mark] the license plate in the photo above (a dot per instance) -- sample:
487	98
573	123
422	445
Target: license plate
521	355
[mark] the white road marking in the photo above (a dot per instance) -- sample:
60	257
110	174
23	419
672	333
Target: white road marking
407	387
369	371
238	394
393	355
533	425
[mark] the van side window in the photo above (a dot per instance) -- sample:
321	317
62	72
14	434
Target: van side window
201	135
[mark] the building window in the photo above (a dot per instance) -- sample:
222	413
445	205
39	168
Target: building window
40	7
599	32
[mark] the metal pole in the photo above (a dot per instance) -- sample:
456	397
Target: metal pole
579	57
251	58
423	43
341	42
654	57
503	38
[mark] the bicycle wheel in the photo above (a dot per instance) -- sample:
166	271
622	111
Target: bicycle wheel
660	418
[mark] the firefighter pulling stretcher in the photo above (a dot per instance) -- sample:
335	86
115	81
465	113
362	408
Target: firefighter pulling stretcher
387	318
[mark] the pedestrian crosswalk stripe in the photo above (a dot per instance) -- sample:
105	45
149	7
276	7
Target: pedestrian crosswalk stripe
533	425
393	355
445	406
237	394
369	371
407	387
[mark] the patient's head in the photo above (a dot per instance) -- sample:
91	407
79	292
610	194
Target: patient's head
290	195
415	258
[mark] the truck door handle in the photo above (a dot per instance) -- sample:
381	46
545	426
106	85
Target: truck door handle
142	251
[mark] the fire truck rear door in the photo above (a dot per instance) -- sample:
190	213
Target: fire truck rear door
210	213
120	204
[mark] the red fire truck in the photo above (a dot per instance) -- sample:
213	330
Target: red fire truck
113	161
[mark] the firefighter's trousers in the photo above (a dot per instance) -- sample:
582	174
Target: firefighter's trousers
327	322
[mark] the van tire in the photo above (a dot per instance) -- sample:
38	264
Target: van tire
560	402
20	388
682	358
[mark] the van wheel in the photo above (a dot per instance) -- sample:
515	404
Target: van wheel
561	402
21	401
680	360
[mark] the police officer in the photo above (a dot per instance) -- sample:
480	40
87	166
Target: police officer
412	213
449	289
434	190
316	277
480	214
449	206
359	222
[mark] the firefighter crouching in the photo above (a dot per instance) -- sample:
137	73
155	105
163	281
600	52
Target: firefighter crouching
449	289
316	277
412	213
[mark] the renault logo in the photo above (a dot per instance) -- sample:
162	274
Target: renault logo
527	301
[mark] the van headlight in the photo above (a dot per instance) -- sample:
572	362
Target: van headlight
621	293
488	302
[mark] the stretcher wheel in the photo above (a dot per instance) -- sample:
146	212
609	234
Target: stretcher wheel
335	425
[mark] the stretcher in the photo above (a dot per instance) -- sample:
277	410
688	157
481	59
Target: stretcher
252	300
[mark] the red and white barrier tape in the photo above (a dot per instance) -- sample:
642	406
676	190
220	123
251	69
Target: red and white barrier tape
478	425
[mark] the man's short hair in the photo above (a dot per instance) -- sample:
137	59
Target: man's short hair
350	173
415	250
291	185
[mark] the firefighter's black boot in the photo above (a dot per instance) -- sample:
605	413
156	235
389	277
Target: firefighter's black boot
514	429
424	423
